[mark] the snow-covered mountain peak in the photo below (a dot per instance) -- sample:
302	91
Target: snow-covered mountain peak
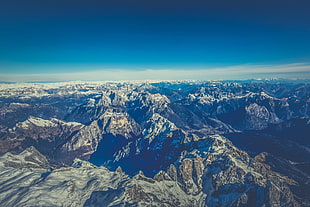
36	121
78	163
158	125
29	158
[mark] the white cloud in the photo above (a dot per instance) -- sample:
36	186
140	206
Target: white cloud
296	70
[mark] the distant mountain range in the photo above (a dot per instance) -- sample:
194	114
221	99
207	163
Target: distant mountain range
172	143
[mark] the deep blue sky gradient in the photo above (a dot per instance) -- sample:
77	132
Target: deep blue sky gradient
131	34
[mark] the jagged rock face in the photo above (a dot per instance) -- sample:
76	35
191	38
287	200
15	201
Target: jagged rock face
85	142
118	122
82	144
218	174
258	117
235	179
292	171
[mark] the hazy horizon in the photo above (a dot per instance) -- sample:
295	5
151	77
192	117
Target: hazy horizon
240	72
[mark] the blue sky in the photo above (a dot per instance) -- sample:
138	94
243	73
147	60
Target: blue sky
53	37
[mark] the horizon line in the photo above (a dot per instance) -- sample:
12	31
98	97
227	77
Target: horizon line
236	72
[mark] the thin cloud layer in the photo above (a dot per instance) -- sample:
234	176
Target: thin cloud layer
290	71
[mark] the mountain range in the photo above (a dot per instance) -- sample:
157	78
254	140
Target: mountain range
163	143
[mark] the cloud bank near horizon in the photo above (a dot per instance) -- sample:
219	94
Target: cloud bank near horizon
290	71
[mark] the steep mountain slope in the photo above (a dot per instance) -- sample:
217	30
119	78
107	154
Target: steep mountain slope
216	173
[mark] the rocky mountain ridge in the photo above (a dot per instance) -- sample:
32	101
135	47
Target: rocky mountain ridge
215	174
